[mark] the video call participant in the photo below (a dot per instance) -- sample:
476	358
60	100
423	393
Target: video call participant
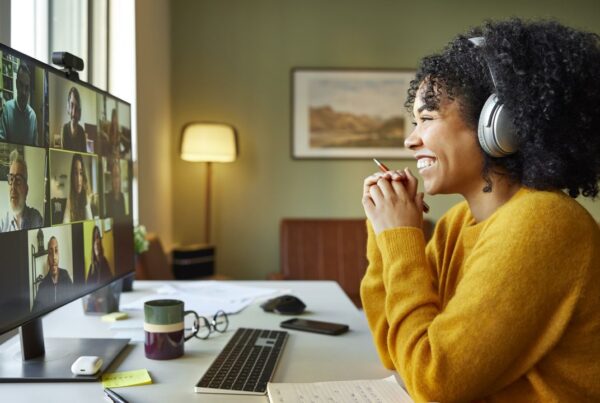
114	136
99	271
115	199
73	135
20	215
78	203
19	122
503	302
57	284
103	143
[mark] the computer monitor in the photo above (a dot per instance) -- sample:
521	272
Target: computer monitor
66	227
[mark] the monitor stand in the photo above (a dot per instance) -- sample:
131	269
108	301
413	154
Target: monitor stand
50	360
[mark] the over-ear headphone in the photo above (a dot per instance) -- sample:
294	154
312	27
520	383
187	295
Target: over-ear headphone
496	133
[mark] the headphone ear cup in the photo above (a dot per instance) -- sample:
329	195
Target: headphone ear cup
496	133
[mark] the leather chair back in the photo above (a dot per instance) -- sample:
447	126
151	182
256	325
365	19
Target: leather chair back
328	249
325	249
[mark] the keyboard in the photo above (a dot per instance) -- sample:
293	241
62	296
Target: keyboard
245	364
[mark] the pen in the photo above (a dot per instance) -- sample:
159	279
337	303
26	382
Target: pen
114	396
384	169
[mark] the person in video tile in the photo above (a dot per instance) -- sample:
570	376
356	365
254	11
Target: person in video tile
78	205
114	136
19	122
57	284
99	271
73	135
115	200
20	215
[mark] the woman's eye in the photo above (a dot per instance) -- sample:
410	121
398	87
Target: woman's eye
421	119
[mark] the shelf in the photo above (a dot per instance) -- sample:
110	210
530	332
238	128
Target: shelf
40	253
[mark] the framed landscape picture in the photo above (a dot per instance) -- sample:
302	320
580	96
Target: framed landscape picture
350	113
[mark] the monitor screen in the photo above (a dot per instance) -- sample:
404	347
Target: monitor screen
66	226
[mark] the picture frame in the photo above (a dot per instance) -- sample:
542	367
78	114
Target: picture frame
340	113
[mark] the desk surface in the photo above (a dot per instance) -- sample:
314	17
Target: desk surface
307	357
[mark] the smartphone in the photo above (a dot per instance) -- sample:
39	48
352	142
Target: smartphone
314	326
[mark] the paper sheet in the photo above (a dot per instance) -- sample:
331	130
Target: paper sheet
372	390
203	306
219	290
126	378
207	297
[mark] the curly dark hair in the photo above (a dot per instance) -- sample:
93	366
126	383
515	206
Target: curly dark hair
547	77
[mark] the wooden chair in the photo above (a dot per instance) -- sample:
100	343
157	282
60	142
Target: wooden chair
327	249
153	264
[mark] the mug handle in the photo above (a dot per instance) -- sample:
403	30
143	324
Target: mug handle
195	327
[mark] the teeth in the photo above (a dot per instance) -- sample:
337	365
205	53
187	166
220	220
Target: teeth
425	162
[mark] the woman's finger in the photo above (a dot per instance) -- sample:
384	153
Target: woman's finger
367	203
412	183
372	179
386	187
376	195
398	176
401	191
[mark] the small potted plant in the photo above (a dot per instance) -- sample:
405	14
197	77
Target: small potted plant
140	245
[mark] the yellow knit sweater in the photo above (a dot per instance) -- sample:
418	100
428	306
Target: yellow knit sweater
505	310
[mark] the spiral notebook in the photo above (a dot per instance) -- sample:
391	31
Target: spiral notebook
371	390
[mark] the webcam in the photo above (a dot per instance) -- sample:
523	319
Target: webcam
71	63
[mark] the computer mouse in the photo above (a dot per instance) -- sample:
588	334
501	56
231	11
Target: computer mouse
284	305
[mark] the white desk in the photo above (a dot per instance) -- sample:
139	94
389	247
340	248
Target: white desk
307	357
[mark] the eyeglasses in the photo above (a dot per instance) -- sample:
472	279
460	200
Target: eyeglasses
17	179
203	327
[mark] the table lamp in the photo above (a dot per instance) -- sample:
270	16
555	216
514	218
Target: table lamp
208	142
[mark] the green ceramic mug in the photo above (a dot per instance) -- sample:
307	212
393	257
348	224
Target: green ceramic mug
164	328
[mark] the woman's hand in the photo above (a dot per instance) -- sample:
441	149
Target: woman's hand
391	200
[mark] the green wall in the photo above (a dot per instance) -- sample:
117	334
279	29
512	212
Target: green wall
231	62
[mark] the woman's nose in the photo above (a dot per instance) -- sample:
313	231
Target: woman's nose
413	141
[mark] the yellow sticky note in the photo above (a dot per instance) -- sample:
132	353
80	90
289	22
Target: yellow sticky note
111	317
126	378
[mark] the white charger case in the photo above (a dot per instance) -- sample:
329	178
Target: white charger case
86	365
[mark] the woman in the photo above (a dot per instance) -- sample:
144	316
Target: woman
73	135
503	304
99	271
78	205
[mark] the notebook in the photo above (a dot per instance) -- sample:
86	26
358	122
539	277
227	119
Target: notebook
372	390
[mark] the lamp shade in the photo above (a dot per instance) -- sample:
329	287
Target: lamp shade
214	142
